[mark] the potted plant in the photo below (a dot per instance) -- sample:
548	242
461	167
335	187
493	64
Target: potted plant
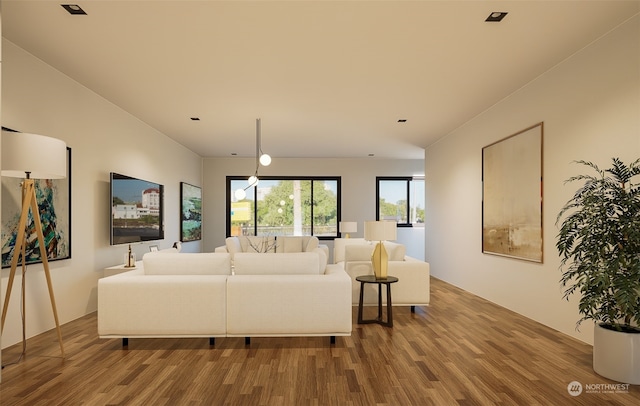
599	245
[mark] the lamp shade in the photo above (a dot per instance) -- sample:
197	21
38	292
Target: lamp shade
41	156
348	227
380	230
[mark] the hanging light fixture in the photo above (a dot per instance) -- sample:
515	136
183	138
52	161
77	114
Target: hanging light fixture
265	159
240	194
261	158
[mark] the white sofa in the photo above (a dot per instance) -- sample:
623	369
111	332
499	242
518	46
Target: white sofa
288	294
413	286
171	295
197	295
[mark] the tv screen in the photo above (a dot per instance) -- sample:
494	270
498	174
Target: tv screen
136	210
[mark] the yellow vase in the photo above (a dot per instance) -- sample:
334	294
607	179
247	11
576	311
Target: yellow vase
380	261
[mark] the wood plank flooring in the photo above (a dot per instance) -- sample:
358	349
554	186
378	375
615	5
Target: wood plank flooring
461	350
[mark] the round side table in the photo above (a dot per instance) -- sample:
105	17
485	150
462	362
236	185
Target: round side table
386	281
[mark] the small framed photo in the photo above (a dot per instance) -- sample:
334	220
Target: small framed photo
153	248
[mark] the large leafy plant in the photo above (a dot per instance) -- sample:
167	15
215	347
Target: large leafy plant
599	243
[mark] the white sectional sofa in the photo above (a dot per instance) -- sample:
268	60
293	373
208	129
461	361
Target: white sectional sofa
413	286
198	295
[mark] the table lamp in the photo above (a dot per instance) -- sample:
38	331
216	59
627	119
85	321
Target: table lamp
380	231
31	156
348	227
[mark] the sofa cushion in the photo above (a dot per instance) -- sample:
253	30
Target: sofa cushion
300	263
156	263
322	255
260	244
312	244
358	252
362	252
396	251
233	245
289	244
339	245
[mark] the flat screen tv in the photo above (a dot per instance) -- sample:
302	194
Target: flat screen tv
137	210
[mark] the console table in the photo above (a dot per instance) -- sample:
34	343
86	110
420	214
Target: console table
113	270
386	281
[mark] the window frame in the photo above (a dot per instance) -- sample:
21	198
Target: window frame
408	180
337	179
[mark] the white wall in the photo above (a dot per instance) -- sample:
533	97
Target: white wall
37	98
590	106
358	190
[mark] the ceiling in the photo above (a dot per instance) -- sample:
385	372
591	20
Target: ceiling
327	78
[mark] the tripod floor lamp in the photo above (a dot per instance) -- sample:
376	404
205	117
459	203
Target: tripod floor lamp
31	156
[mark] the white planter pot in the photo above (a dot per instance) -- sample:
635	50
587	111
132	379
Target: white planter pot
616	355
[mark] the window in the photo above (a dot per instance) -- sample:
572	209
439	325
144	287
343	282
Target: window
400	199
285	206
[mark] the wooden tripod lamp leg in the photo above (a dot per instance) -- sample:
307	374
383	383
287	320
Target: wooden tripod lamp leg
45	262
29	200
17	249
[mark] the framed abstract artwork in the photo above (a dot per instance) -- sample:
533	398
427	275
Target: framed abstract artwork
54	202
190	212
512	195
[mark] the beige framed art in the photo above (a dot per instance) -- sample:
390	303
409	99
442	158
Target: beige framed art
512	195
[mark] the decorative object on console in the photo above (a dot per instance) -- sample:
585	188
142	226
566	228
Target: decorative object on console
32	156
190	212
177	245
130	259
153	248
380	231
348	227
261	158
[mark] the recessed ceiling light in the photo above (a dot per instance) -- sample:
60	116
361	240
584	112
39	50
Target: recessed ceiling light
73	9
402	120
195	118
496	16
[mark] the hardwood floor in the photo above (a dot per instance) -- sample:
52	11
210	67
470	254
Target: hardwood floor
461	350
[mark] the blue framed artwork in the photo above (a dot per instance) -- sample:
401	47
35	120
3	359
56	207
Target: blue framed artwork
54	202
